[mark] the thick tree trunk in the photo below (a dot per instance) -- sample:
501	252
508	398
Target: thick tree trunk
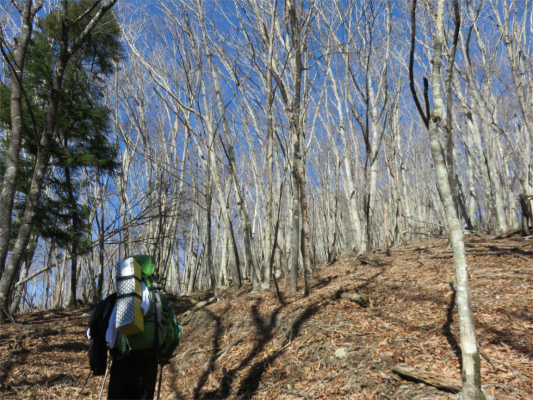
32	202
7	195
59	279
74	240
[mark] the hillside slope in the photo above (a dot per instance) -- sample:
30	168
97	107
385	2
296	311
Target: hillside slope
252	345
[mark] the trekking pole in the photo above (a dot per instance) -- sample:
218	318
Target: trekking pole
103	383
160	379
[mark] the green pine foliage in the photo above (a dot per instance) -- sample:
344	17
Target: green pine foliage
81	149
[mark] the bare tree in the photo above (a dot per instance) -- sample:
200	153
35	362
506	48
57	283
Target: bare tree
479	104
513	20
435	121
262	18
298	26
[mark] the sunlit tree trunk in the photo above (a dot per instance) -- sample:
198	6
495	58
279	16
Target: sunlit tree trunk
27	11
471	362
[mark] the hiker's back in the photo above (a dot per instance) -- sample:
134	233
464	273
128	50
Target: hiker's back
141	330
161	331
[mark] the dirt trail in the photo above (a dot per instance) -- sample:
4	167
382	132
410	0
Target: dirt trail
251	345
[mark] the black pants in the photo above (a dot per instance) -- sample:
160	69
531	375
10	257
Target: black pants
132	378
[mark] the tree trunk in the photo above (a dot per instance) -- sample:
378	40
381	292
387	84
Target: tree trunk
24	273
208	241
228	226
295	223
41	165
471	362
269	164
7	194
527	216
73	276
101	255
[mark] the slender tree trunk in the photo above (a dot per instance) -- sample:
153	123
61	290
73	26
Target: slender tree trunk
449	155
73	276
245	221
73	238
295	222
223	272
293	107
191	250
471	362
269	165
361	238
305	228
228	226
101	259
287	250
208	240
386	227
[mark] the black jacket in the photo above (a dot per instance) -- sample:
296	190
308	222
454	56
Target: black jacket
98	323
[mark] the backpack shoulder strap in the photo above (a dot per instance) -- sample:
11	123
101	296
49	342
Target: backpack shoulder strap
159	316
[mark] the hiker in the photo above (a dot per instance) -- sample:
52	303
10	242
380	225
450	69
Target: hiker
135	352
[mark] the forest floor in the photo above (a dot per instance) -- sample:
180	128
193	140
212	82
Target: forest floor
252	345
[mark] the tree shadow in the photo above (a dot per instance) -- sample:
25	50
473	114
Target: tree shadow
264	331
7	366
516	342
250	384
510	251
320	283
216	346
370	280
446	328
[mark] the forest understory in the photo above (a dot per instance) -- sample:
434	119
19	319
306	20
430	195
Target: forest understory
325	346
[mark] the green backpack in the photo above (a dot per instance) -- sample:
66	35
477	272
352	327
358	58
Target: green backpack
162	330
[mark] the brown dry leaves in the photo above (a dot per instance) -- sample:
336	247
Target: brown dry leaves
320	347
